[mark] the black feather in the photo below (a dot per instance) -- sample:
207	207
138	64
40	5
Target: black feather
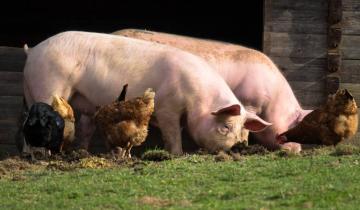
348	95
44	127
122	94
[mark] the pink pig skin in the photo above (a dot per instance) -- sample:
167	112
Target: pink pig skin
89	69
251	75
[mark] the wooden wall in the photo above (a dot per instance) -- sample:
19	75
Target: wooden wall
350	48
295	37
12	61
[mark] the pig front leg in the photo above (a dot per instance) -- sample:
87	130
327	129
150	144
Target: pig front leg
169	124
85	131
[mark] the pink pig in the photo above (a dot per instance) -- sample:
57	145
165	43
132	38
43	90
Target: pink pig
89	69
251	75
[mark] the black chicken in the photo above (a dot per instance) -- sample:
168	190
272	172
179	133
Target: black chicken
44	127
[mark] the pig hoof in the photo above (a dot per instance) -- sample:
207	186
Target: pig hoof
291	147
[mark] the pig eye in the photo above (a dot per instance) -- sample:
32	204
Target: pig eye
225	129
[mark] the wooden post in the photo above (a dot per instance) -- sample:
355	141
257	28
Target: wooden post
333	45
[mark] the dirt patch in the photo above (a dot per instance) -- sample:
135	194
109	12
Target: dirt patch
93	162
156	155
249	150
13	166
154	201
82	159
71	156
223	156
238	151
160	202
242	149
346	149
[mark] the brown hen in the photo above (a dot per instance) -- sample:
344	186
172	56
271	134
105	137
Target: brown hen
330	124
125	123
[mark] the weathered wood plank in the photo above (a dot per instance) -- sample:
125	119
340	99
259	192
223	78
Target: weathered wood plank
9	112
300	27
7	136
351	22
10	100
10	106
301	69
296	21
10	77
351	5
306	86
308	45
294	17
11	89
295	45
8	150
12	59
8	121
318	5
308	93
350	71
350	47
310	100
11	83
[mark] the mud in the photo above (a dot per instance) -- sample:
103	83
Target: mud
249	150
238	152
14	167
156	155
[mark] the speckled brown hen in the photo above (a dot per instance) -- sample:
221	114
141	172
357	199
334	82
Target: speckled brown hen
66	112
125	123
330	124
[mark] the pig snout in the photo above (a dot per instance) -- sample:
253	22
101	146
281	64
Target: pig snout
230	125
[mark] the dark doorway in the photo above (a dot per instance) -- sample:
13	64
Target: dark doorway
31	21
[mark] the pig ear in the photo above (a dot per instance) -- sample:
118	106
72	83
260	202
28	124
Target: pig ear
229	110
254	123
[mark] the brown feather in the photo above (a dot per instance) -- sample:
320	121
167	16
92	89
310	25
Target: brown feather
125	123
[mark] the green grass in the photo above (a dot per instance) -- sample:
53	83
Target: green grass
322	179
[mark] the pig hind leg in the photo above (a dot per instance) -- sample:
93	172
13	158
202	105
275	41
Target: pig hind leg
85	131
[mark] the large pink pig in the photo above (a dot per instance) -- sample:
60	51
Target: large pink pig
89	69
251	75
